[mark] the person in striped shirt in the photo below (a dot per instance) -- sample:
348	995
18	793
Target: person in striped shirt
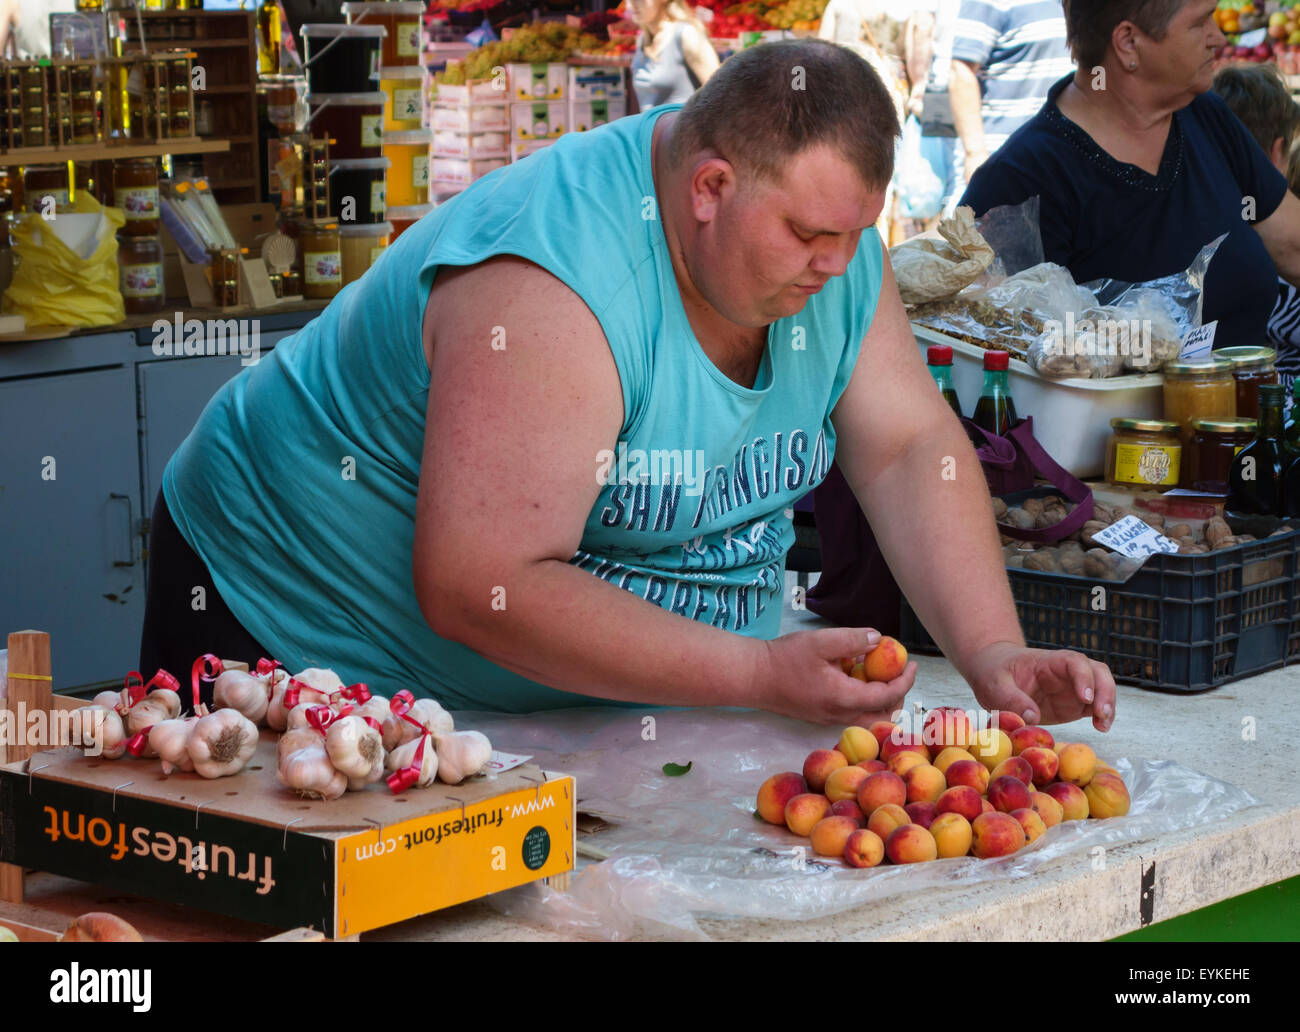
1006	54
1257	94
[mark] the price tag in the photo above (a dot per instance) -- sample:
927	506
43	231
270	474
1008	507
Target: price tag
1135	539
501	762
1199	342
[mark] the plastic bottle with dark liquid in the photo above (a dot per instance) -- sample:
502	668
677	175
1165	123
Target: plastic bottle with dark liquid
995	411
939	358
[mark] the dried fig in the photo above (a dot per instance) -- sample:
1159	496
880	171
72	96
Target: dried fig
1090	528
1217	530
1042	560
1033	506
999	508
1019	518
1152	519
1179	530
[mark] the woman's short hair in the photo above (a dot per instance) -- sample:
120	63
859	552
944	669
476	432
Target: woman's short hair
769	103
1089	24
1257	95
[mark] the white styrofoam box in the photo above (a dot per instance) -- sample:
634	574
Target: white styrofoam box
476	90
542	120
471	118
596	83
587	114
1071	417
463	171
537	81
520	149
448	143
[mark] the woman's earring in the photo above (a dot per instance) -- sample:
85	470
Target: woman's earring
1132	65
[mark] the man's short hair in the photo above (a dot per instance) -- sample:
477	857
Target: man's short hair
769	103
1089	24
1258	96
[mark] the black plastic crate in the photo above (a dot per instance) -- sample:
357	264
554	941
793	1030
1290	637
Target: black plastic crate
1181	623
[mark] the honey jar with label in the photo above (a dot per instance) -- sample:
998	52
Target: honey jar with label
1144	453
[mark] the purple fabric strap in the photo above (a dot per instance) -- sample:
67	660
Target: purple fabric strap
1002	453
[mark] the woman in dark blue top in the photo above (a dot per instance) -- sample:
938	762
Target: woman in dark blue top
1138	166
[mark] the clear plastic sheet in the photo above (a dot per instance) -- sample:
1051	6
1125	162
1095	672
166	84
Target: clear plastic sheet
1012	231
1179	295
689	847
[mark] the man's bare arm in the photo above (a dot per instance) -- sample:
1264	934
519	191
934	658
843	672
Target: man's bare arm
923	491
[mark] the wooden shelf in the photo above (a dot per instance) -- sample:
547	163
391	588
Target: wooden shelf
191	44
243	89
231	184
107	152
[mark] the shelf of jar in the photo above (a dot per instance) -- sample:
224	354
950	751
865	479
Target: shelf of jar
109	151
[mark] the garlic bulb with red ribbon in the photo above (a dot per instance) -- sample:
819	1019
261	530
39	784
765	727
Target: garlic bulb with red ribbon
170	739
430	716
355	748
378	708
244	692
111	700
286	691
404	755
159	705
222	743
461	755
310	773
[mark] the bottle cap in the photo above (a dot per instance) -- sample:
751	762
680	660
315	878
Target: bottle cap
1274	393
997	361
938	354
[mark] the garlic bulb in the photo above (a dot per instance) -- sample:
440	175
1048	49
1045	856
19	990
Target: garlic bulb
462	755
430	716
102	731
377	708
159	705
322	680
298	715
309	772
404	756
222	743
110	700
247	693
299	738
277	713
355	748
170	740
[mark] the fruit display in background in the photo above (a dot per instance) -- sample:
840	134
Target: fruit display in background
966	807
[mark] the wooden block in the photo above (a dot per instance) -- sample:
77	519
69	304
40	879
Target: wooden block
11	883
234	664
29	687
255	284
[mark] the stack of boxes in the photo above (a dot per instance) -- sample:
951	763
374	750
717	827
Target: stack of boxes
483	124
471	130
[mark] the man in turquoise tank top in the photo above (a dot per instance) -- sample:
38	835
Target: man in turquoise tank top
545	451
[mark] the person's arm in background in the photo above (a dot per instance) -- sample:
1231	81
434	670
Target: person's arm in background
508	479
700	56
979	27
1281	235
918	52
964	92
923	491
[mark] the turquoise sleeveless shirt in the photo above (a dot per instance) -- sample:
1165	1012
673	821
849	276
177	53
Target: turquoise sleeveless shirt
297	486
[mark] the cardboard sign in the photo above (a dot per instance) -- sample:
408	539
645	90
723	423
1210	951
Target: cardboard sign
1199	342
1135	539
502	761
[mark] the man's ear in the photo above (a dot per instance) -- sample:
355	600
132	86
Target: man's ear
1278	155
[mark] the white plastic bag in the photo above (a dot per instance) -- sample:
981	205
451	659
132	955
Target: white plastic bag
919	190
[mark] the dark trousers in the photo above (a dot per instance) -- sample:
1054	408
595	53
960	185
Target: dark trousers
855	588
176	633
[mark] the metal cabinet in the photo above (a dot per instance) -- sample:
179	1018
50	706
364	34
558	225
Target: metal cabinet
70	551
